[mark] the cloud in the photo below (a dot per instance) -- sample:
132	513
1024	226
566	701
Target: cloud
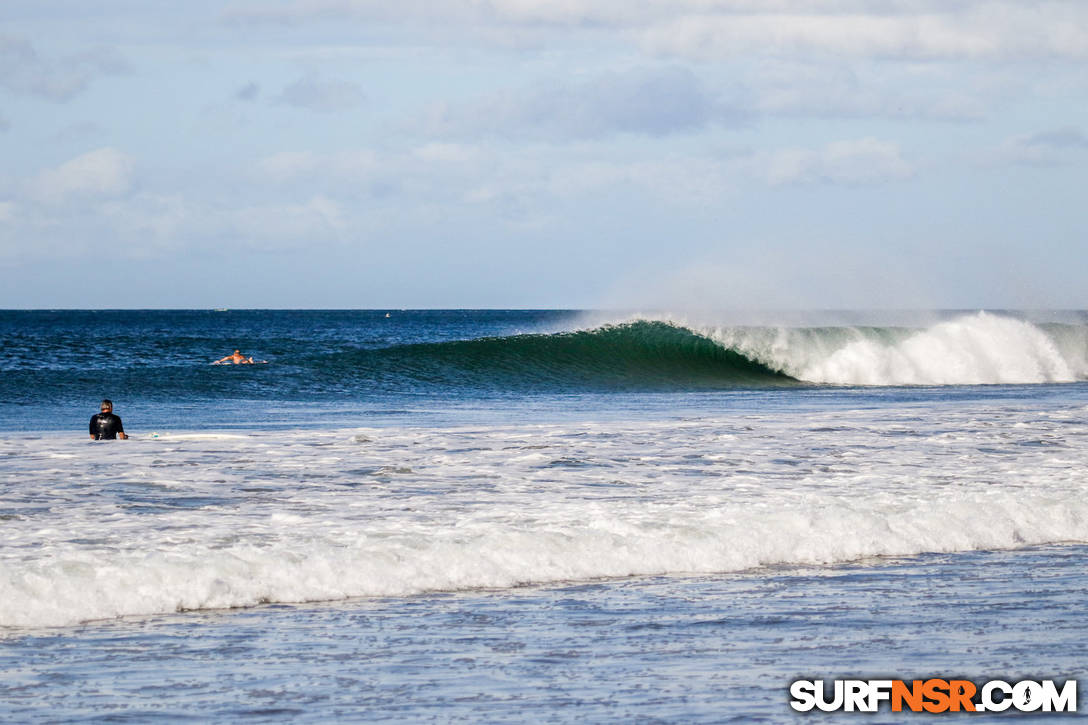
324	96
960	30
726	28
277	227
449	175
645	101
909	59
1062	138
159	225
424	174
22	70
922	91
5	124
684	181
248	92
663	101
102	173
694	180
288	166
78	131
856	162
563	13
1048	148
255	14
450	153
154	223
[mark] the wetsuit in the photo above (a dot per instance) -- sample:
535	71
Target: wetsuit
106	426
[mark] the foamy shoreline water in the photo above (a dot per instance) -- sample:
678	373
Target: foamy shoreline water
198	520
702	649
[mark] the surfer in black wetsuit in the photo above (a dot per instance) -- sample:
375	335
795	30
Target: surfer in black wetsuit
106	426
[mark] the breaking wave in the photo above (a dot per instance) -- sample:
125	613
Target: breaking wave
976	349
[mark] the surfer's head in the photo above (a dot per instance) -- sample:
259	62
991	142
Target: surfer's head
106	406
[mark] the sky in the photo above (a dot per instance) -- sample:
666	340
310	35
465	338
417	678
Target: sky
712	154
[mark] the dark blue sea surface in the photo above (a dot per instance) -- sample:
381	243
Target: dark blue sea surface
369	367
156	365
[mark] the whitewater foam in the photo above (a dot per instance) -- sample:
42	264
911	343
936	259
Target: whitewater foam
971	350
977	349
157	525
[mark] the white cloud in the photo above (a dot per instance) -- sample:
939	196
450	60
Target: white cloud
294	165
282	226
150	223
801	35
160	225
907	59
298	12
23	70
861	161
445	153
683	181
1047	148
953	30
568	12
719	28
658	102
325	96
645	101
102	173
296	199
707	180
563	13
286	165
919	91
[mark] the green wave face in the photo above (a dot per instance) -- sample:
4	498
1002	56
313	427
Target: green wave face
643	355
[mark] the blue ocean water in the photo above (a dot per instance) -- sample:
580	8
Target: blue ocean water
331	368
513	516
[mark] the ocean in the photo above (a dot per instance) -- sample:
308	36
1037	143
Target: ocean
534	516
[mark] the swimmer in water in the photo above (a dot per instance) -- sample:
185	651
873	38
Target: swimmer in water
237	358
106	426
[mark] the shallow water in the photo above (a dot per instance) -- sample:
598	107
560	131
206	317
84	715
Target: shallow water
660	649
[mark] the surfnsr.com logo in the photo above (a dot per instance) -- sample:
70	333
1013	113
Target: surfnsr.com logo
934	695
